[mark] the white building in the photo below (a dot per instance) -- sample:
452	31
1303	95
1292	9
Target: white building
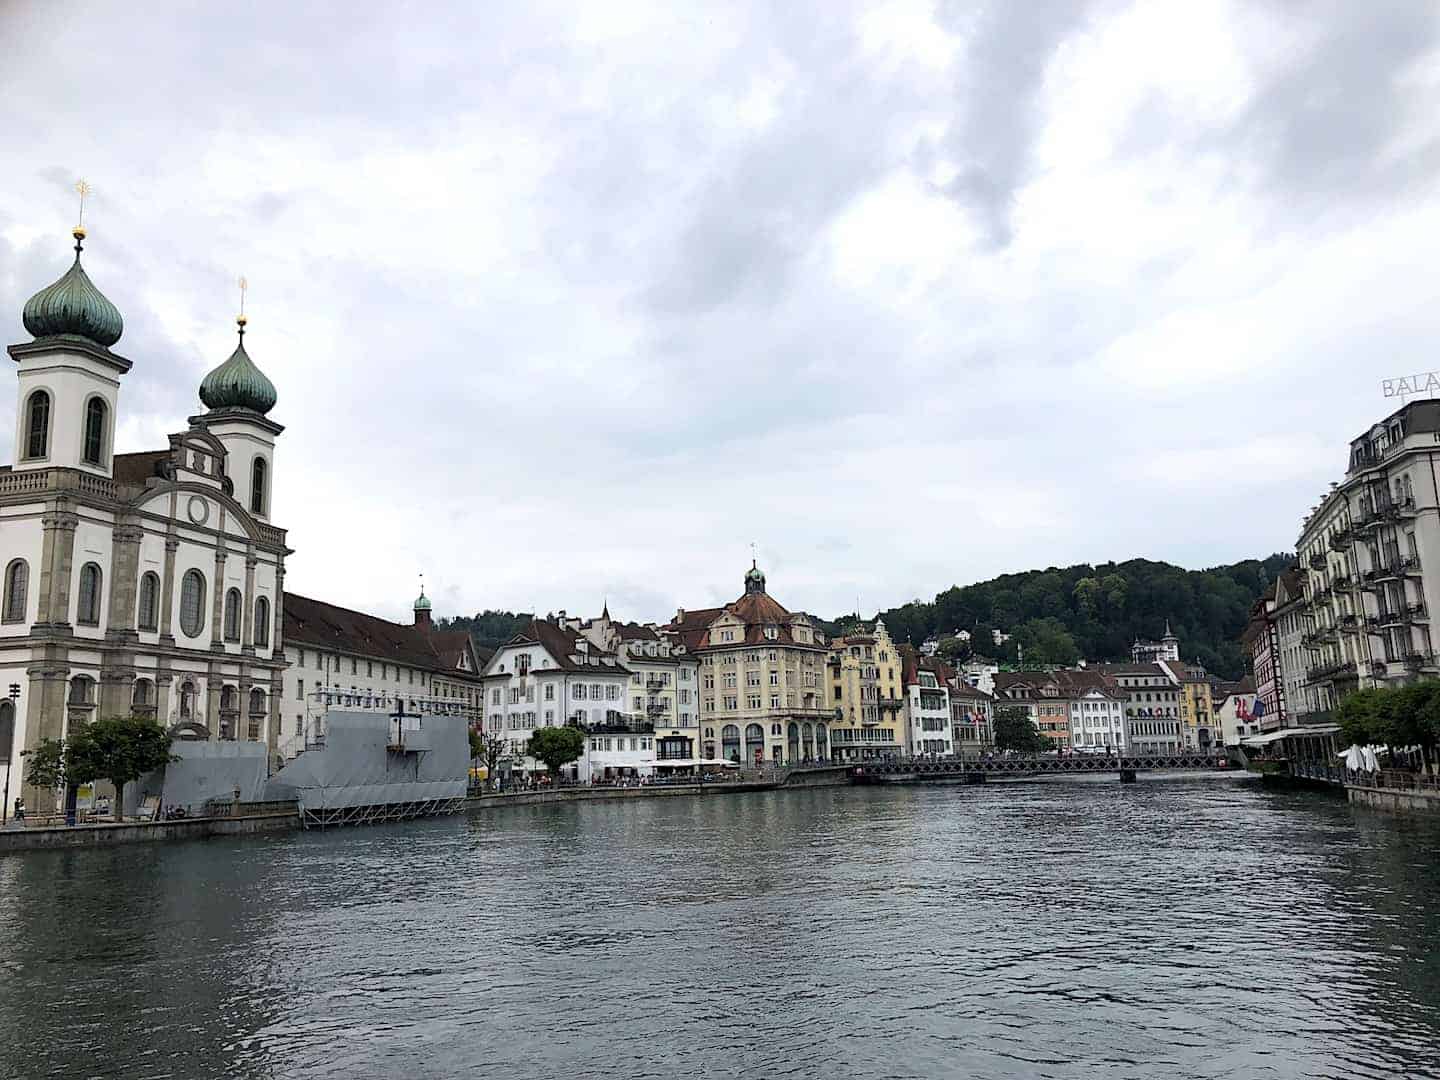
1150	652
1152	707
147	583
1097	720
664	698
927	706
550	675
1235	716
1369	554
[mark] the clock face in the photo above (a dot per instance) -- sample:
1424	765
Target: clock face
197	509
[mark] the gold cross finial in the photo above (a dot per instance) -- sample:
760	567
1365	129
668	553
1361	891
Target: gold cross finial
82	189
240	319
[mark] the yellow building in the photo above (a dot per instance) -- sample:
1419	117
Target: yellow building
1198	726
865	683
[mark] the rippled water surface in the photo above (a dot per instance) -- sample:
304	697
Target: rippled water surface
1185	927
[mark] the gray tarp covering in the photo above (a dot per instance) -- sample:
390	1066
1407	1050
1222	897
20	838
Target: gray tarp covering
206	770
370	759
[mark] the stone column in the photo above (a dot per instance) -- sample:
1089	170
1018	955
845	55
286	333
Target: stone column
277	640
167	589
57	562
49	673
242	720
124	575
217	604
247	616
277	690
212	701
163	679
117	683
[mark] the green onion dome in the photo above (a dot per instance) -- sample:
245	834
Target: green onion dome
74	306
238	383
422	602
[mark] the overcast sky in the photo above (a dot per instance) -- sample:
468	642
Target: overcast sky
573	301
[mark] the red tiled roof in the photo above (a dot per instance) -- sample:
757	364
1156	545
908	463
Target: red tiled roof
563	645
328	626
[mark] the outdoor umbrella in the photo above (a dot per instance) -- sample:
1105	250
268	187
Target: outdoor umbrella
1371	764
1354	759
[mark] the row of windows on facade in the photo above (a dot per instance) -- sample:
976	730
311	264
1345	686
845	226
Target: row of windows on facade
93	445
142	695
147	603
336	661
578	692
771	656
753	701
731	679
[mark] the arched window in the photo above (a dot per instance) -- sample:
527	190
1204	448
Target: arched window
192	603
227	699
147	616
37	425
17	581
257	702
262	622
143	693
232	615
257	486
95	431
187	700
88	610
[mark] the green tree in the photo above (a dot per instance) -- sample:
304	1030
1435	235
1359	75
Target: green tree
1014	730
953	649
1046	641
1087	596
45	767
487	747
120	749
556	746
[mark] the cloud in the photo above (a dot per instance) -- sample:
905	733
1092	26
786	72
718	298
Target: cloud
565	303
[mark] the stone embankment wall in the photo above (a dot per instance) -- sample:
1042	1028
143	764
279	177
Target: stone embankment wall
139	832
1394	800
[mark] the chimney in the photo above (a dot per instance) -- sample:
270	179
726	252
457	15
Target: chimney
679	614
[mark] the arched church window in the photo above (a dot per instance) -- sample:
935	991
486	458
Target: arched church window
143	693
192	603
88	609
17	582
37	425
257	702
262	622
95	431
232	615
147	615
257	486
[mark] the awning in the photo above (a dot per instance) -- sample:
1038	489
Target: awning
1288	733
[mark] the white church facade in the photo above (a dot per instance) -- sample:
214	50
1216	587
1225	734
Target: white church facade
148	583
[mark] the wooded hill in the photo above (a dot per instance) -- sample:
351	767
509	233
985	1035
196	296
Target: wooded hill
1096	612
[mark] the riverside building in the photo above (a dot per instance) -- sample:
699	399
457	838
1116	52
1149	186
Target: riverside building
865	676
148	583
1368	554
349	661
762	669
927	705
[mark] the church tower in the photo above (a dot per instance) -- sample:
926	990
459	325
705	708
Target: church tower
238	395
69	379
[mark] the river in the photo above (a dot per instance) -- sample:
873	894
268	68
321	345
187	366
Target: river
1184	927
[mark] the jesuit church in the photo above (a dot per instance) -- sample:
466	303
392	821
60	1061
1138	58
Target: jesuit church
148	583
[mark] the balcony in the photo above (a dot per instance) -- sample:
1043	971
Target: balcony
1342	582
1340	541
1329	672
1348	623
1317	562
1417	613
629	726
1390	618
1322	595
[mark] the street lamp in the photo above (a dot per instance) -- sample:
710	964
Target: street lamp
10	752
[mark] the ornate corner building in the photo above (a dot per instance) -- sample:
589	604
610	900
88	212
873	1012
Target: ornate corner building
147	583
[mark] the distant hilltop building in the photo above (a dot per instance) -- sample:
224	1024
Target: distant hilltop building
1153	652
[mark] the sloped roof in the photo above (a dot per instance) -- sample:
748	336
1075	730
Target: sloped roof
137	468
563	645
329	626
756	611
959	688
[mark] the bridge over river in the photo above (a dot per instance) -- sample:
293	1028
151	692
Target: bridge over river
978	770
